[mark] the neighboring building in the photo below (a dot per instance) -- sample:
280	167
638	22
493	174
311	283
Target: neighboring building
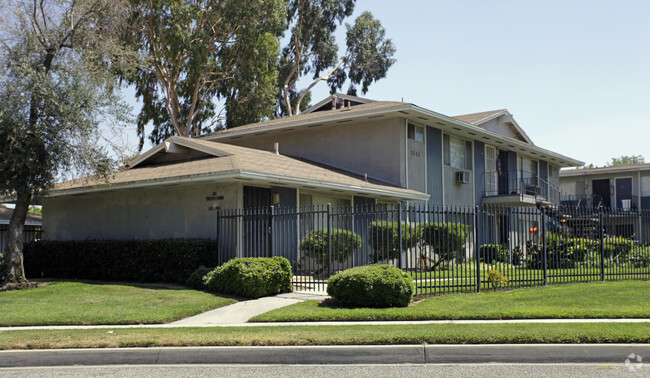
31	231
625	190
618	188
346	151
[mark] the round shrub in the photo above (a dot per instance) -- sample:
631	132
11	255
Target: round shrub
490	253
315	245
385	242
197	279
251	277
372	286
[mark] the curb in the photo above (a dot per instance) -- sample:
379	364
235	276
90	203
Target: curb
373	354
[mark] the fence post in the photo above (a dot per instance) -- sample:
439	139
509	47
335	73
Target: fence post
399	232
544	247
477	250
270	232
329	239
602	243
218	236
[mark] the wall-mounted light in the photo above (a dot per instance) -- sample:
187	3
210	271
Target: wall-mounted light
276	198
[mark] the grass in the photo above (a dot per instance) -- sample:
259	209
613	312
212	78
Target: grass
65	303
331	335
626	299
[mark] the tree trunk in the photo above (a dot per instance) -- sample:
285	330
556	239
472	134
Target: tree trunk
14	252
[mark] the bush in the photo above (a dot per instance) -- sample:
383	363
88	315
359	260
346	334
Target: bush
489	253
384	239
496	279
447	239
315	245
372	286
251	277
170	260
197	279
3	268
617	248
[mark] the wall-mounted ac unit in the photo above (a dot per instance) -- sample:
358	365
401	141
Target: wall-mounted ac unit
462	177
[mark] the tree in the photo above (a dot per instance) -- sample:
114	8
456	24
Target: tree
54	91
192	51
626	160
312	50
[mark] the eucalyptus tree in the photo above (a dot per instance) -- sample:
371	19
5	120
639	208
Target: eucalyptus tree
192	52
55	88
312	50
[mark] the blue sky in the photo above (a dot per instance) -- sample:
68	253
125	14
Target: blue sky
575	74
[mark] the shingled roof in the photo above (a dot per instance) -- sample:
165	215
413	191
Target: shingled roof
225	162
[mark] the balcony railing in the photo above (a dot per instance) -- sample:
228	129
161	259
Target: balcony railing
520	183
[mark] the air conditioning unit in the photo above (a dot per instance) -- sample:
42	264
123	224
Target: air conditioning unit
462	177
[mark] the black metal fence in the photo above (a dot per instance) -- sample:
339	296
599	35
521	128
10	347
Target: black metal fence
30	233
445	249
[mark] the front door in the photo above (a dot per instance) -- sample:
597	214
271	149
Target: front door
601	193
257	226
624	193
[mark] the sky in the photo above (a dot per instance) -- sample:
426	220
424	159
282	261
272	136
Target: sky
574	74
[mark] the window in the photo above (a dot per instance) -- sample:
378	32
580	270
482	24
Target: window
416	133
457	152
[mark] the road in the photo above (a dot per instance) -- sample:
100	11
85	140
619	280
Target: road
339	371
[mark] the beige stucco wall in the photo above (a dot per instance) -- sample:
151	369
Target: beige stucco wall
181	211
374	146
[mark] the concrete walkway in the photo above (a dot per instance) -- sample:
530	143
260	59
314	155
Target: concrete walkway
241	312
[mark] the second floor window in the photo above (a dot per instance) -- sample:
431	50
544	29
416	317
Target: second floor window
457	152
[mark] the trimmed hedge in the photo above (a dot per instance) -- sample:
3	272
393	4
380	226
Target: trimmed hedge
315	245
251	277
447	239
3	267
493	253
170	260
372	286
384	239
197	279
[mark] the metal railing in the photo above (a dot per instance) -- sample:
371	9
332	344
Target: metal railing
445	249
520	182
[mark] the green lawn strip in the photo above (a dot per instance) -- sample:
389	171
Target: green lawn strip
626	299
64	303
331	335
512	271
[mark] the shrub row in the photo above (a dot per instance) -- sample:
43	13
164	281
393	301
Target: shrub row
251	277
3	268
372	286
316	245
171	260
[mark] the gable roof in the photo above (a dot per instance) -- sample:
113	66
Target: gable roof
604	170
226	162
386	109
479	119
340	99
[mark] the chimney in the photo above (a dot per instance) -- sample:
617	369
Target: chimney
334	98
276	147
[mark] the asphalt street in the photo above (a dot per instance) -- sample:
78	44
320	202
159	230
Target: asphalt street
339	371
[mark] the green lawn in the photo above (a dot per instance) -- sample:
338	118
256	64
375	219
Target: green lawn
98	303
331	335
624	299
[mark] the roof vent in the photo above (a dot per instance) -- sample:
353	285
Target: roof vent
334	98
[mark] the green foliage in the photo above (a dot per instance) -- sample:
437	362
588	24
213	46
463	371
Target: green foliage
496	279
193	51
617	248
251	277
490	253
372	286
447	239
3	267
171	260
626	160
197	278
315	245
384	239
